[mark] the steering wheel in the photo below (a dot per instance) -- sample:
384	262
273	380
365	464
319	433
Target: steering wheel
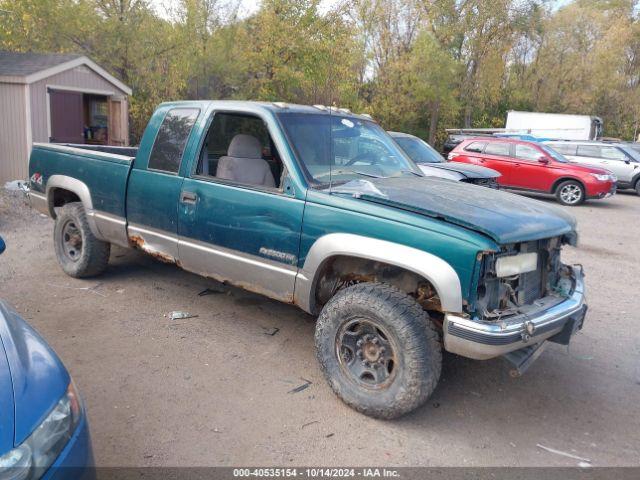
364	157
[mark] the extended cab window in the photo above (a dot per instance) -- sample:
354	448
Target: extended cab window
476	147
238	148
172	137
497	148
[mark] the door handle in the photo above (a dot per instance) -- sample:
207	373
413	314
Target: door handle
188	197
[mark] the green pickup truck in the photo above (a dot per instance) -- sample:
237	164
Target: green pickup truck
318	207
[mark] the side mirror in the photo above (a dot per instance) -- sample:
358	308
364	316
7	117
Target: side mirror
543	160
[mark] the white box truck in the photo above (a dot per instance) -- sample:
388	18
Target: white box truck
554	125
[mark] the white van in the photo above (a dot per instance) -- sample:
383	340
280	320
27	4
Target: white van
619	158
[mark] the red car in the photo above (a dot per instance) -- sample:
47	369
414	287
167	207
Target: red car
535	167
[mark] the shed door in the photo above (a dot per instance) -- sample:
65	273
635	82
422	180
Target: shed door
67	125
116	125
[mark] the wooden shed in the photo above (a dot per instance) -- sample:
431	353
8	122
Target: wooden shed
59	99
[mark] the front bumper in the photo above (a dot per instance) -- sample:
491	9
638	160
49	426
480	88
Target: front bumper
552	317
605	193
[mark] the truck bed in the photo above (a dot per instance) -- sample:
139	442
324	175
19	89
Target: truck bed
103	169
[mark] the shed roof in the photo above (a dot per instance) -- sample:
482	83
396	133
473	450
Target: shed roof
16	64
29	67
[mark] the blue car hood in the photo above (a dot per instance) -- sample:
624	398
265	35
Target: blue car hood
505	217
7	413
37	381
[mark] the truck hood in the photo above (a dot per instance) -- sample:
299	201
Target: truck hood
469	171
504	217
37	377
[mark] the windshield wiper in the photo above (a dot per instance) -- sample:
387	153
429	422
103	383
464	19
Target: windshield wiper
409	171
365	174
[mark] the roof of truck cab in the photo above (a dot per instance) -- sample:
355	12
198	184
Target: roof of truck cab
275	107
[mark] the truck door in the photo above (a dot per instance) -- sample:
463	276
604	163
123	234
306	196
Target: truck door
239	216
155	182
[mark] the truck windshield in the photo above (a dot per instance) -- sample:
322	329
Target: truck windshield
338	149
418	150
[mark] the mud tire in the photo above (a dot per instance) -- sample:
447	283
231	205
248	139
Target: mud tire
416	342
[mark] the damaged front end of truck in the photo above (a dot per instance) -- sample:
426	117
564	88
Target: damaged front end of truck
525	296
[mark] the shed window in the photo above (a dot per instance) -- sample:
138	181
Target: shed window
171	140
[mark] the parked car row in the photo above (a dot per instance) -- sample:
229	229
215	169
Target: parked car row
536	167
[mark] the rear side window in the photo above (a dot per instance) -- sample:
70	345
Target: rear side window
172	137
476	147
564	148
589	151
527	152
613	153
497	148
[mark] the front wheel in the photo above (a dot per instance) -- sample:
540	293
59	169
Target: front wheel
637	187
570	193
378	349
79	252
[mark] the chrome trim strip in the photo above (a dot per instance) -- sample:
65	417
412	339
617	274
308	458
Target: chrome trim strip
481	341
443	277
82	151
256	274
266	277
246	258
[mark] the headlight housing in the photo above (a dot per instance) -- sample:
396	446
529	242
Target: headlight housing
516	264
603	177
35	455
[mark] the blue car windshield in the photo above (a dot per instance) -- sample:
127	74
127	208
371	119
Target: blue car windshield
418	150
338	148
557	156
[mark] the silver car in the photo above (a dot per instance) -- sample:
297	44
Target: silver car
619	158
432	164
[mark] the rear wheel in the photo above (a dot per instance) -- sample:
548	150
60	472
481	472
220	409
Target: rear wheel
79	252
378	349
570	193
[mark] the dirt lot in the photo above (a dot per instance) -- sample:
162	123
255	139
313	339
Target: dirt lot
216	389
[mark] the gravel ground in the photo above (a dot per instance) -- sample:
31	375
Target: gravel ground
216	389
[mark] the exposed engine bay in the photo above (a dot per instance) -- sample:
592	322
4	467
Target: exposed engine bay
521	274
